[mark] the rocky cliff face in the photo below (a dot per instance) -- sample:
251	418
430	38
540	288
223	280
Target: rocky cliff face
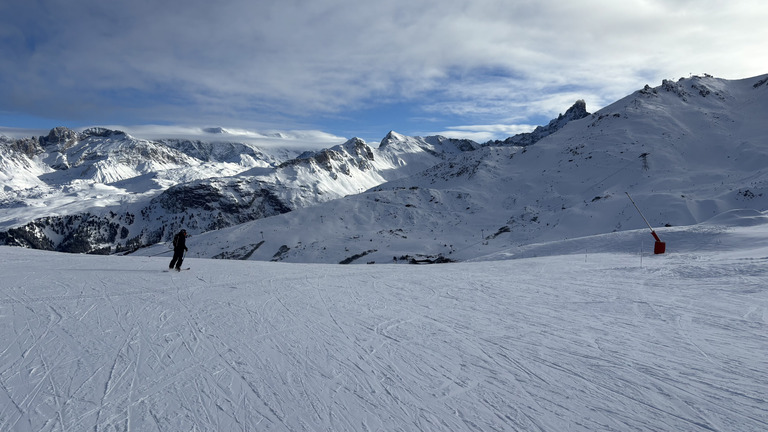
213	204
198	207
576	112
435	145
354	152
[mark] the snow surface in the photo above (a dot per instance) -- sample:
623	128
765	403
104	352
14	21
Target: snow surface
587	341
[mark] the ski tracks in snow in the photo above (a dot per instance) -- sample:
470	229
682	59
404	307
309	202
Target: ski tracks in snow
539	344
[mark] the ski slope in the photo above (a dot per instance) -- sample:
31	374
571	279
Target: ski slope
586	341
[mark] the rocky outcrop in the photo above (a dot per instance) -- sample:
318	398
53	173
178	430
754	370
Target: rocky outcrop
198	207
436	145
576	112
355	152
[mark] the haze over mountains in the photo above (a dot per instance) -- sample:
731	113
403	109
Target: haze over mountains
686	150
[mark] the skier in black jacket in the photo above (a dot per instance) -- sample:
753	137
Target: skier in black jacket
179	247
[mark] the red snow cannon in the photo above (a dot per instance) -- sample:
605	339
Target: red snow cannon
659	247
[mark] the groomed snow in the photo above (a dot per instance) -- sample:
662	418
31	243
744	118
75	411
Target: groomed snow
582	342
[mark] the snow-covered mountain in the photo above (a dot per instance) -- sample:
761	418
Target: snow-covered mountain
86	192
687	151
104	191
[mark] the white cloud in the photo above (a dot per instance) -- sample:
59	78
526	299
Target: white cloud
279	60
296	139
301	139
13	132
483	133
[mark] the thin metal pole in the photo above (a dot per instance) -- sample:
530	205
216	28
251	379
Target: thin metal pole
638	210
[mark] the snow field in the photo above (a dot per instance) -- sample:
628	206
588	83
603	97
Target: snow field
572	342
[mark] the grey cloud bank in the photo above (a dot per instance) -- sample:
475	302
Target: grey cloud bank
286	64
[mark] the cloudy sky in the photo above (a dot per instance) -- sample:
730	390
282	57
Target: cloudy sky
469	68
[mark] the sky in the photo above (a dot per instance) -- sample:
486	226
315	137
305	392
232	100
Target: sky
335	69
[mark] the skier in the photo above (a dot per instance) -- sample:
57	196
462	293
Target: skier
179	247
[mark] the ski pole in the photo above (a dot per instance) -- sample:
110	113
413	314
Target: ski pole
160	253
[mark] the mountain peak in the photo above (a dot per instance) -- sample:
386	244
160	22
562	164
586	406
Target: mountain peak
60	133
391	137
61	137
102	132
576	112
354	141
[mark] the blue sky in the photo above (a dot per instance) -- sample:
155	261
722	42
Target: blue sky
480	69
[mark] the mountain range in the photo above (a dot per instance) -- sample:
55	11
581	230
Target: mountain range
687	151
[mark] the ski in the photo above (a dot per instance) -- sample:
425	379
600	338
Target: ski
169	270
